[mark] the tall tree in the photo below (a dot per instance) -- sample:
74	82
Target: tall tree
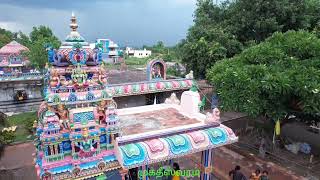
23	39
39	37
274	78
41	32
5	37
258	19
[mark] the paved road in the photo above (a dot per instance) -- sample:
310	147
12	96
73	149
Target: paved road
16	164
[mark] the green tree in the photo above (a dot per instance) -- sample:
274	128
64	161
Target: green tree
258	19
39	37
240	24
205	46
5	37
23	39
273	78
41	32
37	54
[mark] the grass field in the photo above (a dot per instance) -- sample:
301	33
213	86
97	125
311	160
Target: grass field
133	61
24	121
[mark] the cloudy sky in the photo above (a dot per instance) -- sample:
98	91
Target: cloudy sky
128	22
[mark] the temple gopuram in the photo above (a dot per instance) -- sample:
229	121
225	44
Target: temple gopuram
19	82
82	134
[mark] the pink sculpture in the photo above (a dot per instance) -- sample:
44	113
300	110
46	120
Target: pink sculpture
213	117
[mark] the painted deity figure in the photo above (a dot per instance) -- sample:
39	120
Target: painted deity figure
101	111
64	120
102	76
55	80
86	145
63	81
79	78
156	72
213	117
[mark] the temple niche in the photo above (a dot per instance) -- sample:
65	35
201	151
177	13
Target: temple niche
156	70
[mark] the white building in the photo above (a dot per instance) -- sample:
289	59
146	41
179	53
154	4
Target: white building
137	53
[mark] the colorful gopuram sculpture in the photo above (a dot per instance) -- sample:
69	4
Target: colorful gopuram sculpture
77	127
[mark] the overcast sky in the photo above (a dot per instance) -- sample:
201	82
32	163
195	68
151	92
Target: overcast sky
127	22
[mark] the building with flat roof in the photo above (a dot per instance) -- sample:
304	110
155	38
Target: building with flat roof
137	53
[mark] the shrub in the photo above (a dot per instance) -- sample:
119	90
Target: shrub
6	137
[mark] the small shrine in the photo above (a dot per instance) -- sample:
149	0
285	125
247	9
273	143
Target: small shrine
82	134
19	81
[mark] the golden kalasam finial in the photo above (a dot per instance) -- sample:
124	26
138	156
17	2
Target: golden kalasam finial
73	24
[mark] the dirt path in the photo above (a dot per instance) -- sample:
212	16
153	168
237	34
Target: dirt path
17	162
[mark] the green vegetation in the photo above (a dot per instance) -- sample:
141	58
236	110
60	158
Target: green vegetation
222	31
168	54
24	122
133	61
261	55
273	78
6	137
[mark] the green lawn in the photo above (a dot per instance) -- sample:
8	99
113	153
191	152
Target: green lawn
24	121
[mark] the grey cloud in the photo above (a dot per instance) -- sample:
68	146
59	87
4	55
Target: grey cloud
128	22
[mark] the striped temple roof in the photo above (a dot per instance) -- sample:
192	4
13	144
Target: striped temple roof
149	151
13	48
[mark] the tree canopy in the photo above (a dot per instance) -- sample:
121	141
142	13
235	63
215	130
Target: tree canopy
236	25
39	37
273	78
5	37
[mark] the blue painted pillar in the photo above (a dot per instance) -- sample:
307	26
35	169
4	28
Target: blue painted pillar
207	164
146	168
142	169
46	150
61	147
170	162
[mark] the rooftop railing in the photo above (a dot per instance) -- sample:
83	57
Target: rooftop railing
20	76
